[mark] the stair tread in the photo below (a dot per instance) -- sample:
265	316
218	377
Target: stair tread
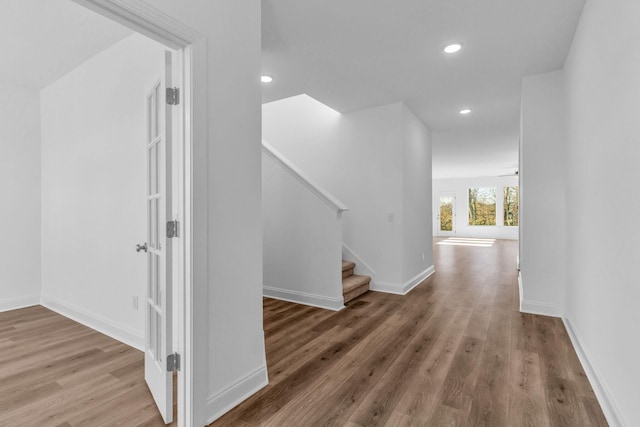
346	265
352	282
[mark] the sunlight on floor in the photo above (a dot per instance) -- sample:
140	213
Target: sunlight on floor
463	241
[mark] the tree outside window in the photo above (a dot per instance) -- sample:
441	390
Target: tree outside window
511	195
482	206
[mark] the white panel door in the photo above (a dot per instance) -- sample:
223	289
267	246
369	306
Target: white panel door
158	339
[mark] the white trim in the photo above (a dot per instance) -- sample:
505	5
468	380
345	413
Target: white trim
387	287
196	244
227	399
322	194
95	321
146	20
398	289
536	307
611	410
540	308
335	304
419	278
520	289
15	303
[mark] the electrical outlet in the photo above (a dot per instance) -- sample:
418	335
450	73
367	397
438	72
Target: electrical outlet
134	302
423	256
390	217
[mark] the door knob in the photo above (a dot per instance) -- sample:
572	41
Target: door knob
142	247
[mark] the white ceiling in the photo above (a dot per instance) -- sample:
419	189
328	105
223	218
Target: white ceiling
356	54
49	39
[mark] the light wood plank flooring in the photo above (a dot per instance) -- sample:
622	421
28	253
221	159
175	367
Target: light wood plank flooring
453	352
57	372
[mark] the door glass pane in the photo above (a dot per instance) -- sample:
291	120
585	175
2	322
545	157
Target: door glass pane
150	104
151	276
446	213
156	224
156	122
151	218
153	169
156	281
153	330
158	338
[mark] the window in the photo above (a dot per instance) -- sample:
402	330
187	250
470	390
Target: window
482	206
511	195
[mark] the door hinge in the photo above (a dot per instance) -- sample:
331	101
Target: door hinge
172	229
173	362
173	96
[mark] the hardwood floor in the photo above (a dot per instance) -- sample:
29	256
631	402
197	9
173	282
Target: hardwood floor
57	372
453	352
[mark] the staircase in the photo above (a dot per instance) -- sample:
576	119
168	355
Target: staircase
353	285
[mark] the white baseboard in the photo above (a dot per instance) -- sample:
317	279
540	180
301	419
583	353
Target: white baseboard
227	399
19	302
536	307
94	321
386	287
335	304
398	289
611	410
540	308
419	278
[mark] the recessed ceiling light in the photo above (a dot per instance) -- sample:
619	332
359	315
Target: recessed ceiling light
266	79
453	48
465	111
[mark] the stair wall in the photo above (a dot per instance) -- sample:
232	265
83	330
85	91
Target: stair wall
378	162
302	242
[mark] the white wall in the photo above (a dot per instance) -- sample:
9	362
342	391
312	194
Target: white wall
542	201
302	241
417	232
603	87
228	357
471	152
460	188
93	188
360	158
369	181
20	189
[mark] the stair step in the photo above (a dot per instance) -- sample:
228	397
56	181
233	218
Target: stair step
354	286
347	268
354	281
348	265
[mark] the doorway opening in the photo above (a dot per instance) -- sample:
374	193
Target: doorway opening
172	229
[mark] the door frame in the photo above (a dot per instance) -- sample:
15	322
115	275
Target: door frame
437	231
191	255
